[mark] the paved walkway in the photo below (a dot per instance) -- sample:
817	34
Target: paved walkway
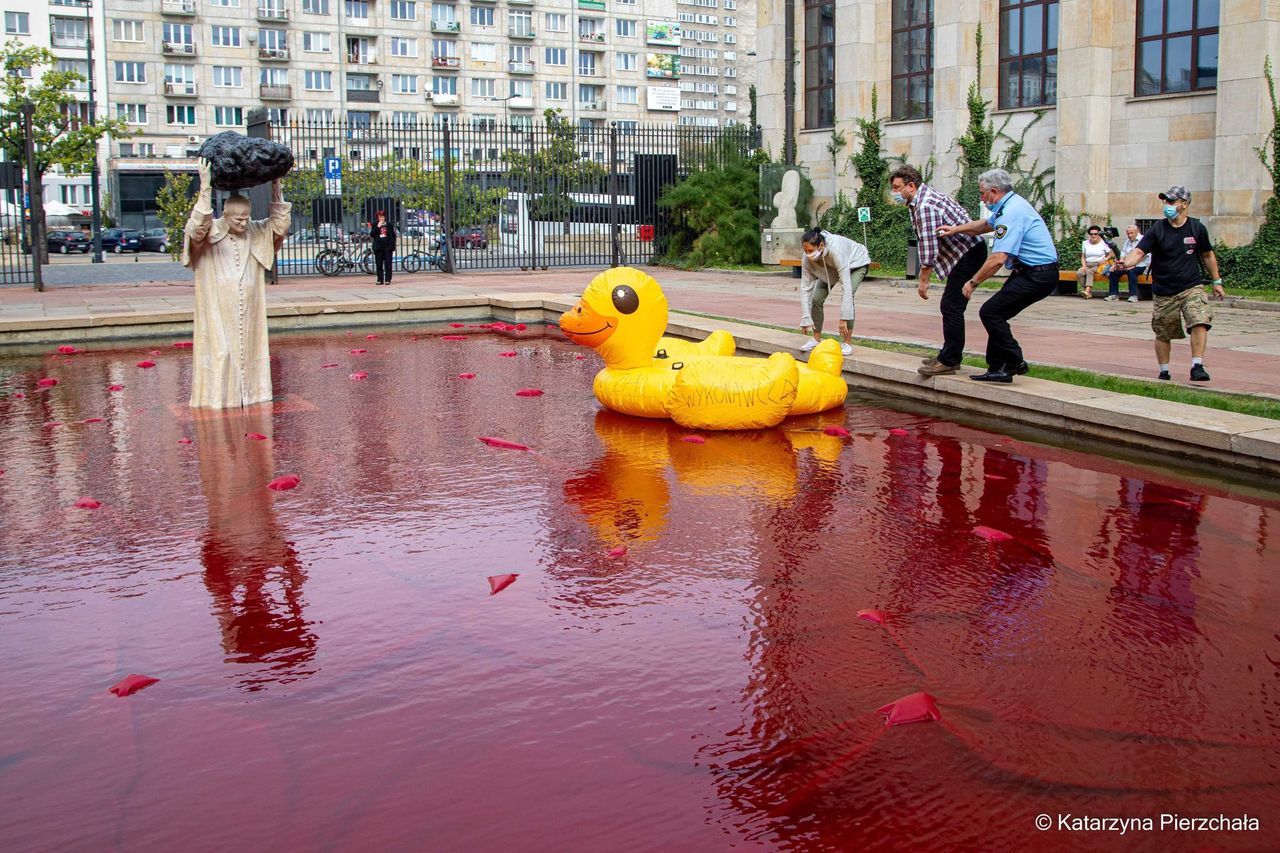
1108	337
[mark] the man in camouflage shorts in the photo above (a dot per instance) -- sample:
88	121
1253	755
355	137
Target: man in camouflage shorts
1178	244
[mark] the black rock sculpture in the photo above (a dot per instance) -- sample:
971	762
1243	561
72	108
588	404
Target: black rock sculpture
239	162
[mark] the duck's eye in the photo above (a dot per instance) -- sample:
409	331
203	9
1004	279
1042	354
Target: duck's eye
625	299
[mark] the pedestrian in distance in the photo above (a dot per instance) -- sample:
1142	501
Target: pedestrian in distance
383	236
1178	245
830	261
1132	236
1024	245
956	258
1093	254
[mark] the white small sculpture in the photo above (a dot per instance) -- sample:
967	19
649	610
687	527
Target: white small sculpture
785	201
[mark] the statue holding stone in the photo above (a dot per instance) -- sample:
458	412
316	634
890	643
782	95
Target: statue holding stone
230	256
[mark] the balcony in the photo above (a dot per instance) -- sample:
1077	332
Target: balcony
367	57
269	92
517	103
177	48
446	27
588	71
521	67
445	99
273	13
594	106
180	89
274	54
71	40
521	33
448	63
365	96
591	38
177	7
520	2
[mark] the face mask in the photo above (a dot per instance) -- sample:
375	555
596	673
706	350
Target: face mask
1170	212
816	254
898	198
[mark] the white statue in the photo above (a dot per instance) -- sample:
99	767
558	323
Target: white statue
785	200
230	257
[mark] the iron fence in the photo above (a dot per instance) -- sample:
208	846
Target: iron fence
15	256
481	194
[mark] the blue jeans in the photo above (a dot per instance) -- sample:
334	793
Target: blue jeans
1133	274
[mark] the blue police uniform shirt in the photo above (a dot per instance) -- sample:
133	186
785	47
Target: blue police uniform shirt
1021	233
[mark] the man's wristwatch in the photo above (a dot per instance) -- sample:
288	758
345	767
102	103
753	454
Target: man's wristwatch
1217	282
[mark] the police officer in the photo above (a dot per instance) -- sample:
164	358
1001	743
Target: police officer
1024	245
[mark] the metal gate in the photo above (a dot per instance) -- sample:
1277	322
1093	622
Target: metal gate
479	194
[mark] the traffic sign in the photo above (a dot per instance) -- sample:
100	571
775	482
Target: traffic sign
332	168
864	214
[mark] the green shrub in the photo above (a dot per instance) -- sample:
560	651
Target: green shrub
714	214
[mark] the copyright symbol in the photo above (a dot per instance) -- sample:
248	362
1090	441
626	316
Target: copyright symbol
1043	822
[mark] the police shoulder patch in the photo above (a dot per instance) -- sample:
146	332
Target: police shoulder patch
1001	230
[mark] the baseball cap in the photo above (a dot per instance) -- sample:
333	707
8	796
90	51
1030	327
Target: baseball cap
1175	193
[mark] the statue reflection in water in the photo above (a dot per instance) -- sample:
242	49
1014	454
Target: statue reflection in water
251	570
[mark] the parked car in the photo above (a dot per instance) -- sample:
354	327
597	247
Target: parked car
121	240
470	238
68	241
155	240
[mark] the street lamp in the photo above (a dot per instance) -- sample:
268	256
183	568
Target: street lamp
506	108
94	175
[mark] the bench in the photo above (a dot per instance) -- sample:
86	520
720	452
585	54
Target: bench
1067	284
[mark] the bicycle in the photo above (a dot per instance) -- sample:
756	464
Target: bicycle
417	259
345	257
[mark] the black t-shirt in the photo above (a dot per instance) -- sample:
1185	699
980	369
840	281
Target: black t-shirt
1175	255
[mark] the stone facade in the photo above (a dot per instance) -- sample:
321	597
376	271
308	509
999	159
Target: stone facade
1111	151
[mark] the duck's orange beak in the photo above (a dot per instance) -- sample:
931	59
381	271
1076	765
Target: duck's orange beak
584	326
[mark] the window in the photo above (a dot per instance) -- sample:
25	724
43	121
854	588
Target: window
183	75
132	113
586	64
521	89
318	42
357	11
444	85
557	91
625	27
404	84
819	63
360	82
224	36
444	48
183	114
557	22
912	59
176	34
628	128
131	72
228	116
1028	53
228	76
404	47
17	23
274	77
484	52
280	115
404	10
317	81
482	87
319	116
227	4
484	121
442	13
404	119
481	16
628	94
1177	46
315	7
126	31
557	56
625	61
275	42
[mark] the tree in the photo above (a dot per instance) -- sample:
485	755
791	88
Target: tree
62	135
977	141
173	205
713	211
554	170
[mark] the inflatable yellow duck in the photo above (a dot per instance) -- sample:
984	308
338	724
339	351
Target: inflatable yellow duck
622	315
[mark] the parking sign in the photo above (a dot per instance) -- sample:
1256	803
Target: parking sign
333	176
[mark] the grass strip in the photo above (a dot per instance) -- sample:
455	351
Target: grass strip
1245	404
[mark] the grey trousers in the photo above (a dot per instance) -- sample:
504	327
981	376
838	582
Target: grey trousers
822	290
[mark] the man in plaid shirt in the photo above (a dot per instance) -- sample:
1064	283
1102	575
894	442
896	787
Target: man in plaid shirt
956	258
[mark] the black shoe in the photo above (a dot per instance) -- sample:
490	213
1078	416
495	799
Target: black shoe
1198	373
1164	374
1021	370
993	376
376	283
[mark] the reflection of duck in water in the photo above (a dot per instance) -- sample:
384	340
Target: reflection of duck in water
625	494
251	571
622	315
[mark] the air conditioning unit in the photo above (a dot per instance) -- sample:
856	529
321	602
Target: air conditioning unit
427	95
193	138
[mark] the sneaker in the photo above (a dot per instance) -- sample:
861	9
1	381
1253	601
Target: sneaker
1198	373
1164	374
808	345
937	369
1111	297
1132	299
847	349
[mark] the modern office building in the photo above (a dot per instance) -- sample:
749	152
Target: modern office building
181	70
1132	95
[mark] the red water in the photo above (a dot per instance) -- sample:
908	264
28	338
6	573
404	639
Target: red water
336	674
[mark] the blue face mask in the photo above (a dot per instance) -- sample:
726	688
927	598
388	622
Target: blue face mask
1170	212
898	198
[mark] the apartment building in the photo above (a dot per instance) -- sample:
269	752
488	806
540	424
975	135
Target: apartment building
181	70
64	27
